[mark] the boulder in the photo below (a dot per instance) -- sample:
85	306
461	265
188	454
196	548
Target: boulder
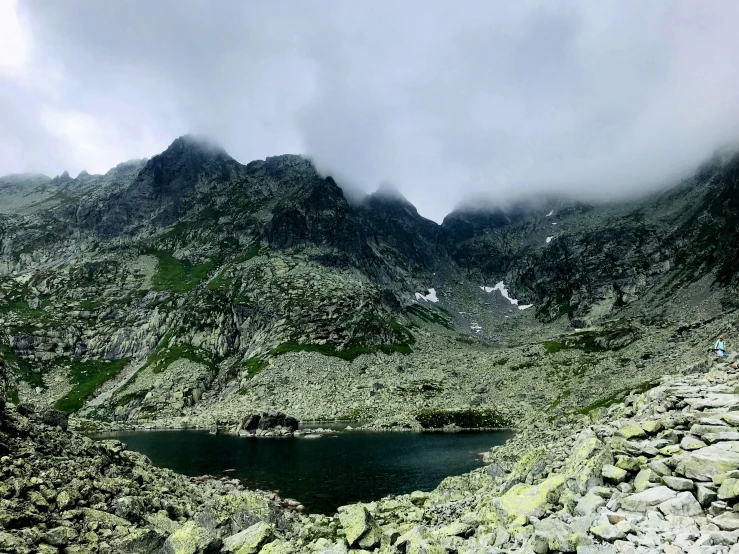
729	489
56	418
608	532
704	464
649	498
678	483
250	540
191	539
690	442
528	500
359	527
632	431
642	480
266	421
59	536
559	536
684	504
589	504
705	495
613	473
728	521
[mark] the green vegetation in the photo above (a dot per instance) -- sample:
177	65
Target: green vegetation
254	365
165	354
584	340
14	364
467	419
429	316
130	397
251	252
553	346
616	397
348	354
178	275
85	378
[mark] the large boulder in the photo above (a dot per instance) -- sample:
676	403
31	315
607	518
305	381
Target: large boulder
249	541
55	418
359	527
641	502
192	539
706	463
528	500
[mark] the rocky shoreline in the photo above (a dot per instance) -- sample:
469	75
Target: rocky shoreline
658	472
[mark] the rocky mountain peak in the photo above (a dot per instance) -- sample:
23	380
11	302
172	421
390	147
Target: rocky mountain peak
195	145
63	178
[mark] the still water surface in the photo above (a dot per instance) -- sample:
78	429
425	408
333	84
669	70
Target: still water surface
322	473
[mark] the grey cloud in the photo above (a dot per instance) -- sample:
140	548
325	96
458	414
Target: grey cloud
596	99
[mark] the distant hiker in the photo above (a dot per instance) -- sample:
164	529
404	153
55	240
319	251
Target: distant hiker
720	348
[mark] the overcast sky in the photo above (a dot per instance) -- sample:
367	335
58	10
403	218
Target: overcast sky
441	99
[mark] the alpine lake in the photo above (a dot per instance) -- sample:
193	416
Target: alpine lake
323	473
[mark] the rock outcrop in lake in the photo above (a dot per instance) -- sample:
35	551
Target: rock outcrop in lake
268	424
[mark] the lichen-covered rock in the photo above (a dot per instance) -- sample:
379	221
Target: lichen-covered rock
250	540
729	489
704	464
192	539
528	500
613	473
359	527
632	431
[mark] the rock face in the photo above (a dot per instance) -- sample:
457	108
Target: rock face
171	285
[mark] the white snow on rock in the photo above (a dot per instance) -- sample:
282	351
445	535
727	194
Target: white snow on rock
549	214
475	327
554	223
429	297
549	239
504	292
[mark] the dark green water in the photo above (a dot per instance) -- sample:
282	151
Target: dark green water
322	473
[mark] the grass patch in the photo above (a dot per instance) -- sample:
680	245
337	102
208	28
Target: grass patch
429	316
21	369
251	252
165	354
585	341
468	419
86	377
254	365
617	397
348	354
178	275
130	397
553	346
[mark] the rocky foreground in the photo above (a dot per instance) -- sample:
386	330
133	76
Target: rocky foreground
656	473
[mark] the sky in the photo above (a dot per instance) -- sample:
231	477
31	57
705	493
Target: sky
441	100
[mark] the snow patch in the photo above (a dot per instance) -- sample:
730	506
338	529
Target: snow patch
504	292
549	214
549	239
429	297
554	223
475	327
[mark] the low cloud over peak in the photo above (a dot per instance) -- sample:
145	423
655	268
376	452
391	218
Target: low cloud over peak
598	100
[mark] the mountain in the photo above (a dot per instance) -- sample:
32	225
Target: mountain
190	287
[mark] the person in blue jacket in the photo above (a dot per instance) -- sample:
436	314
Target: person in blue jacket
720	348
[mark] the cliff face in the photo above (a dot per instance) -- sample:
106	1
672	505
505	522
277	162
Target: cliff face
193	258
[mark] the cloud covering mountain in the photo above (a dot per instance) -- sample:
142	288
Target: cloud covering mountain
598	99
